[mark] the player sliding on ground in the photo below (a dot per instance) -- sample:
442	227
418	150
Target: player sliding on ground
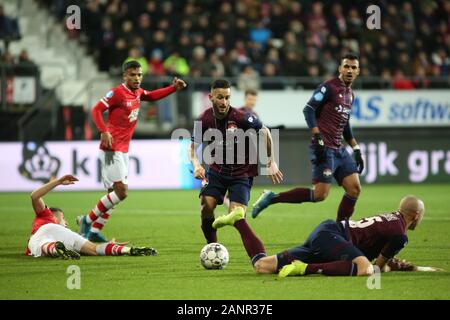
123	103
50	235
342	248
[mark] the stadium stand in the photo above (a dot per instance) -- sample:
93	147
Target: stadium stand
277	38
266	45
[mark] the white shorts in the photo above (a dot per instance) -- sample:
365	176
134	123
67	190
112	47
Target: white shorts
52	232
114	167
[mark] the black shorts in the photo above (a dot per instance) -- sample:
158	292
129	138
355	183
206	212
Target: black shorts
218	184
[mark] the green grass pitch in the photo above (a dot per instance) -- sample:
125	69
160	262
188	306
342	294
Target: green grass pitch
169	221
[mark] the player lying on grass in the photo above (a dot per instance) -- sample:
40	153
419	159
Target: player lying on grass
344	248
51	237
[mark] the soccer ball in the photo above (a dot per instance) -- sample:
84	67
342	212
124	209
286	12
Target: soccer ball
214	256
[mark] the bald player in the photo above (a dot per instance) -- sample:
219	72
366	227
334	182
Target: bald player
347	248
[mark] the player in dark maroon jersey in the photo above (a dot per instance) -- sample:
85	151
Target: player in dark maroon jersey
234	171
250	99
346	248
327	114
122	103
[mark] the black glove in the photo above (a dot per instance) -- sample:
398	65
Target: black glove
359	160
319	148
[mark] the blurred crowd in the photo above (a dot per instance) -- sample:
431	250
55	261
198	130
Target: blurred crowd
9	31
9	27
250	38
22	58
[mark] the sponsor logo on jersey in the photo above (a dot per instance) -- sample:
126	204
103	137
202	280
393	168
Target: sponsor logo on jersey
343	109
133	116
109	95
318	96
327	172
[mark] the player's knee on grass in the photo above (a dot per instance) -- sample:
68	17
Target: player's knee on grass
365	268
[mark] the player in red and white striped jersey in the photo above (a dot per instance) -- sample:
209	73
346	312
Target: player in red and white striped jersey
122	104
50	235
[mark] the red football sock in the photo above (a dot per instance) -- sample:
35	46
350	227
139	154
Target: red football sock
48	249
98	224
106	203
111	249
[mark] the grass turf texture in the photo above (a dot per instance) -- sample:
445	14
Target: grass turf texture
169	221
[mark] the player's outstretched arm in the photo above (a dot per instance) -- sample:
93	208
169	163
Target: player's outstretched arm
36	196
179	84
158	94
396	264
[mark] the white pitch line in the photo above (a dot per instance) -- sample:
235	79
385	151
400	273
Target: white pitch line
175	212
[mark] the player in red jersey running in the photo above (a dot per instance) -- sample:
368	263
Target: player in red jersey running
51	237
123	104
347	248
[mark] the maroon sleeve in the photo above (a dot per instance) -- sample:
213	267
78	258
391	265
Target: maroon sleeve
248	120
